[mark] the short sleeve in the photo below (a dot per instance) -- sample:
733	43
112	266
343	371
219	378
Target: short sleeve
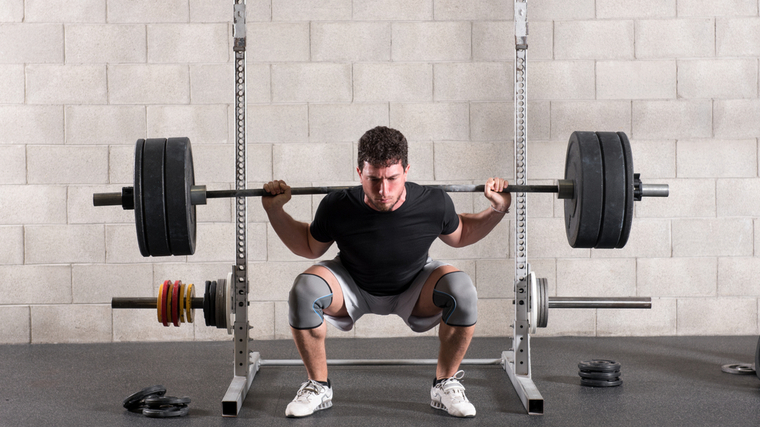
319	228
450	217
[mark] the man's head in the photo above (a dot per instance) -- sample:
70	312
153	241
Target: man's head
383	167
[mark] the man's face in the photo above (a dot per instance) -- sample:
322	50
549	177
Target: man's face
384	187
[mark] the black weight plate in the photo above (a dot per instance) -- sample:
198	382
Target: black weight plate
207	303
212	303
142	239
600	383
628	220
583	213
136	399
153	197
614	208
155	402
607	376
599	365
221	308
180	212
174	411
543	303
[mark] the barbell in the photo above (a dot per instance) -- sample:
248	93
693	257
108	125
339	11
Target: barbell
598	189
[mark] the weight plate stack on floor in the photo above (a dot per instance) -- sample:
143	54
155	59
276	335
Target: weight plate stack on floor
599	373
180	211
583	213
136	401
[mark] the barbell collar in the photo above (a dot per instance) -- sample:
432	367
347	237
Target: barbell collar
147	302
198	194
595	302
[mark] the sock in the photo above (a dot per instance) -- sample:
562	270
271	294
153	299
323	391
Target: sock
437	381
325	383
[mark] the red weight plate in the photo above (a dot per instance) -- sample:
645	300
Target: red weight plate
164	299
175	303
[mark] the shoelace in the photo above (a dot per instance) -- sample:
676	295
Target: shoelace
309	388
453	387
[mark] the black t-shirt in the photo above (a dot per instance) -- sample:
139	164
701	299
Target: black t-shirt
384	251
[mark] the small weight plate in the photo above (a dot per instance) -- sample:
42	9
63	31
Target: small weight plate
739	368
181	309
175	303
599	365
169	295
600	383
153	197
190	294
221	309
155	402
583	213
607	376
614	207
142	238
207	303
628	219
135	400
159	301
180	212
543	303
173	411
164	299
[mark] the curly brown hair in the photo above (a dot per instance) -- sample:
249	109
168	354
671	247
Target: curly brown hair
382	147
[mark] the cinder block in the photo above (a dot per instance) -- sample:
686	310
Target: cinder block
472	160
318	10
28	284
12	84
351	41
313	162
546	160
31	43
344	122
659	320
278	41
217	210
261	318
57	164
735	118
148	84
311	82
547	239
206	124
717	316
482	81
12	11
211	11
33	204
495	278
172	43
393	10
422	159
494	245
14	164
142	326
707	158
435	121
394	82
213	163
736	276
494	317
707	8
539	205
649	238
12	251
557	10
16	319
121	160
92	11
677	277
71	323
593	39
696	78
97	284
375	326
738	197
215	243
144	11
654	159
27	124
570	116
474	10
113	43
569	322
494	40
121	246
66	84
57	244
686	38
688	198
431	41
210	83
81	211
190	272
562	80
636	80
737	36
674	119
495	121
103	125
716	237
278	123
606	9
259	162
596	277
273	280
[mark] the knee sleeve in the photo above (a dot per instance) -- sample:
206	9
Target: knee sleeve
309	296
457	296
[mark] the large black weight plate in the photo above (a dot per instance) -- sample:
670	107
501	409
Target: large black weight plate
206	304
628	220
599	365
135	400
142	239
614	208
583	213
180	212
221	309
600	383
153	197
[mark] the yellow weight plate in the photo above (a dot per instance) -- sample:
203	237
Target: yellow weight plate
190	294
159	301
182	287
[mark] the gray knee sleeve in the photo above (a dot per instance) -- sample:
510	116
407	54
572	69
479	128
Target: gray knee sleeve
457	296
309	296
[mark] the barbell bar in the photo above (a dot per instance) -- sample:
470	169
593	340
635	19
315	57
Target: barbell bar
599	189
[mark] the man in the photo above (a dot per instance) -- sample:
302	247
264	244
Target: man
384	229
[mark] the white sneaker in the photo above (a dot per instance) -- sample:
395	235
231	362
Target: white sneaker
448	395
311	397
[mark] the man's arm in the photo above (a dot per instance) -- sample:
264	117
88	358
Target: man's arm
473	227
294	234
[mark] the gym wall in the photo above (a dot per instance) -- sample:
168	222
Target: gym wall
81	81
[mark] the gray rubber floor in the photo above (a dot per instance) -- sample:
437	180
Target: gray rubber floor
667	381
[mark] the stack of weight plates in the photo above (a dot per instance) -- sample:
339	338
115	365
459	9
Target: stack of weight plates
600	373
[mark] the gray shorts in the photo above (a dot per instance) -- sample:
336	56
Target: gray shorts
359	302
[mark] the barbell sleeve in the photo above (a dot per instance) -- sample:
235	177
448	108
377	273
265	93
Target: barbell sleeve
589	302
147	303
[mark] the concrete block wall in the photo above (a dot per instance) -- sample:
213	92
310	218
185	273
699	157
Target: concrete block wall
81	80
